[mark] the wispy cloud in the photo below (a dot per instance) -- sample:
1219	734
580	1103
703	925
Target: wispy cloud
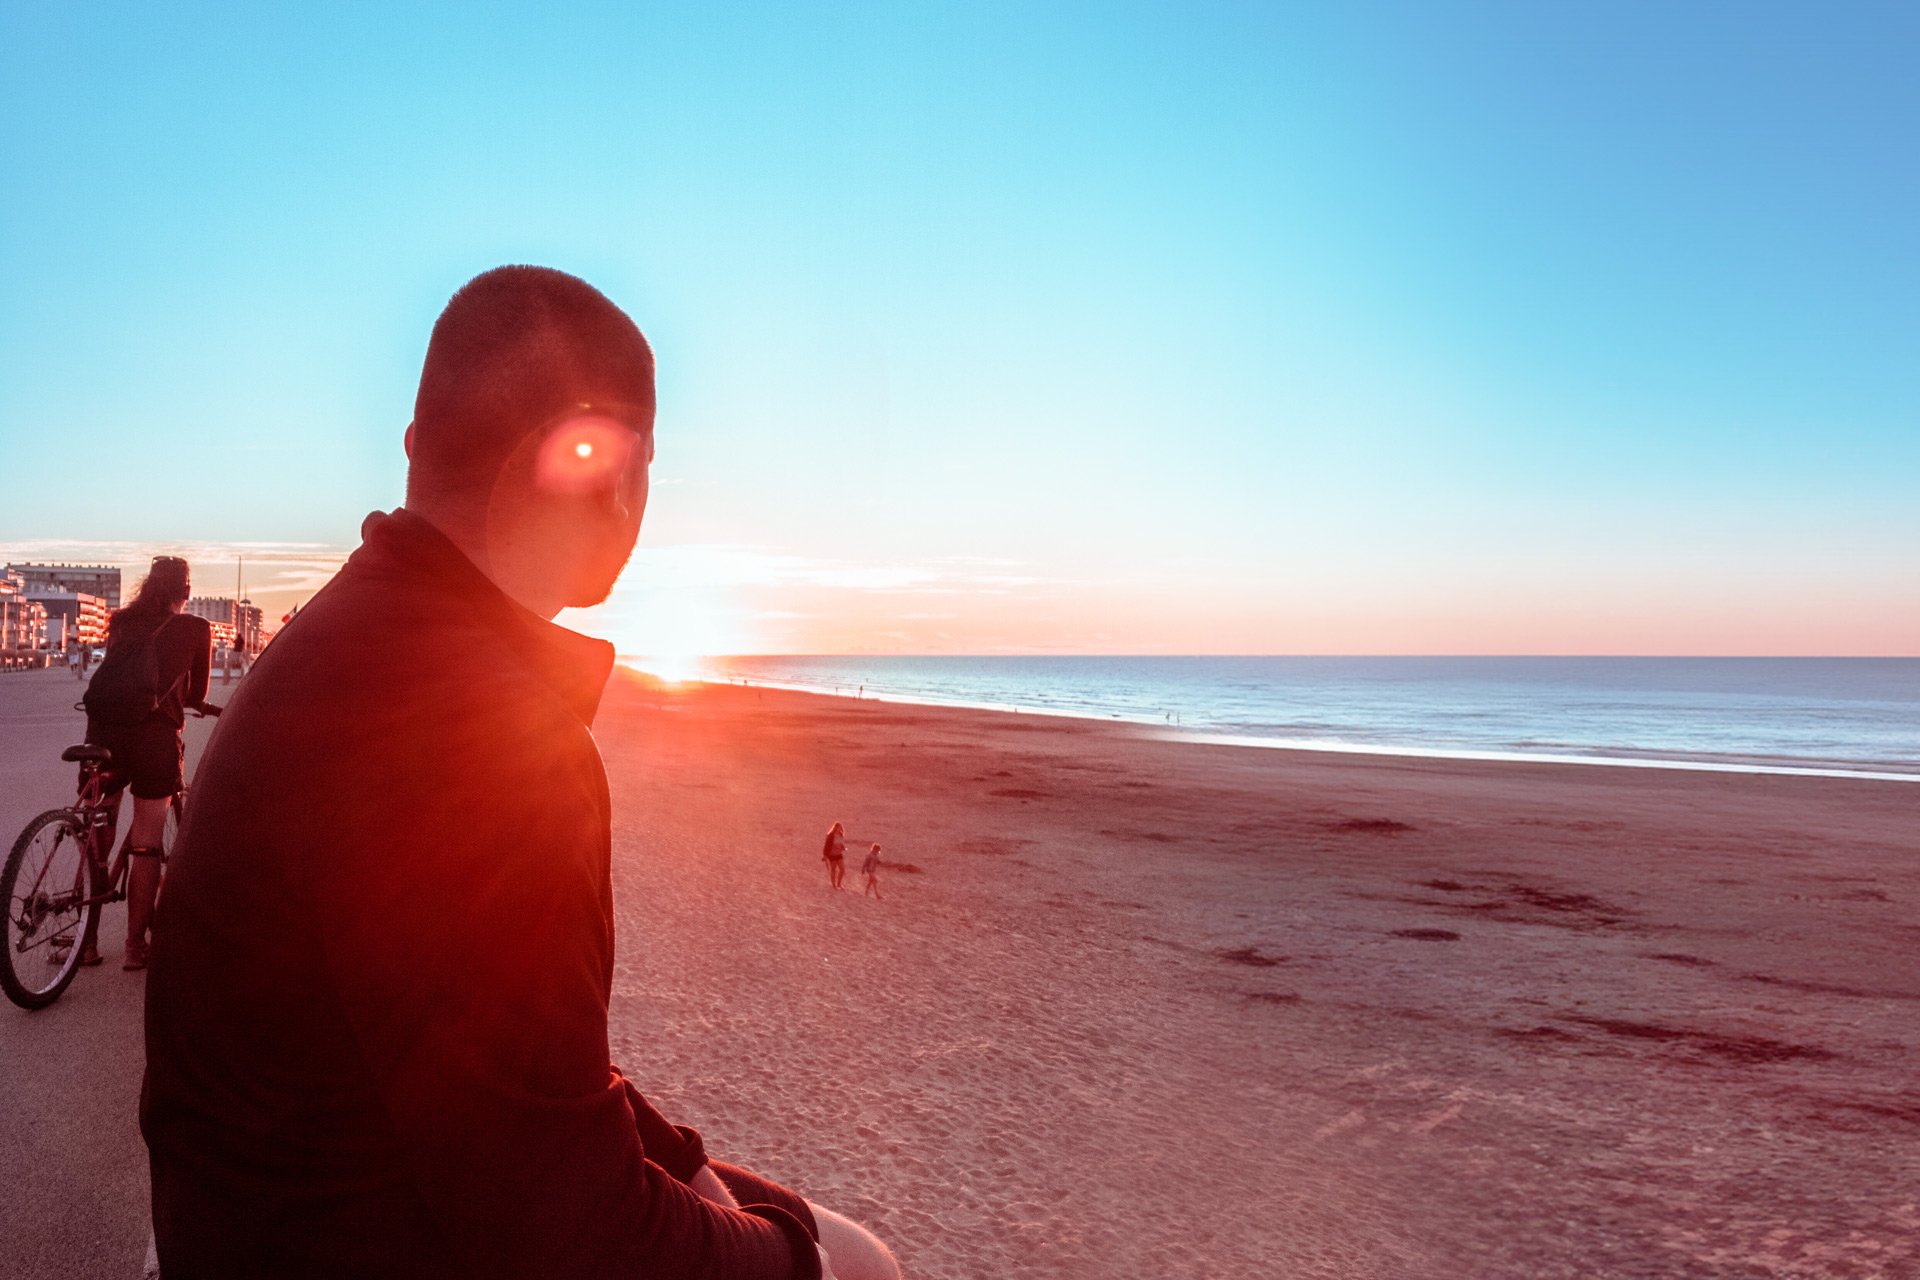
116	552
717	597
739	566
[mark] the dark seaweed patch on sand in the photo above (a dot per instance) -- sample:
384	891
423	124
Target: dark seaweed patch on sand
1517	902
1538	1035
1829	988
1274	997
1428	935
1677	957
1730	1048
1548	900
1372	826
992	846
1892	1109
1020	793
1250	956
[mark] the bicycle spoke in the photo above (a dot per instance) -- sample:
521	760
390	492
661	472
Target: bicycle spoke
62	939
53	853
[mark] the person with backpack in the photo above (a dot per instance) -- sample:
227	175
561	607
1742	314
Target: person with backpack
156	669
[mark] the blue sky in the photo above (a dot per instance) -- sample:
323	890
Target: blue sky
1354	328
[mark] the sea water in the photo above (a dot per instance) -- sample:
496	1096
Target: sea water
1826	715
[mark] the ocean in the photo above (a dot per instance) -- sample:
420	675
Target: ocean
1842	716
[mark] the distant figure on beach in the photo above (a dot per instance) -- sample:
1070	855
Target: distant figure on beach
834	854
871	870
157	666
73	660
377	1037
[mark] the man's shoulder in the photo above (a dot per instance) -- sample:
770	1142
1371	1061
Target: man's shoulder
358	617
402	658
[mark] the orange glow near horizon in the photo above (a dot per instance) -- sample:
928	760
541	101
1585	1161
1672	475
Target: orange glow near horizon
672	668
669	634
681	602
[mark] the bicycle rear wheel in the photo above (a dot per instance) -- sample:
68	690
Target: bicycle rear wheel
44	894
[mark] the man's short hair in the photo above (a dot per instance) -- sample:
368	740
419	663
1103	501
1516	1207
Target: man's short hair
514	348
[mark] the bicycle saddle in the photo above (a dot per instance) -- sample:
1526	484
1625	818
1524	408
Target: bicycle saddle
86	751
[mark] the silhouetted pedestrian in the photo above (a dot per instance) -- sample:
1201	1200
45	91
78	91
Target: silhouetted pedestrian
834	854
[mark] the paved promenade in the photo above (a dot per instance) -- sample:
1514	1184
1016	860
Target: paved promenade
72	1165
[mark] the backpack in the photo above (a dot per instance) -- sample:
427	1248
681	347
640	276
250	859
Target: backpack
126	688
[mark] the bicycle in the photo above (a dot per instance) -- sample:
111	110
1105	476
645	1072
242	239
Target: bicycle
58	876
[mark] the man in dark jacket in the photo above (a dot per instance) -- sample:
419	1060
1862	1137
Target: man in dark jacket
377	1015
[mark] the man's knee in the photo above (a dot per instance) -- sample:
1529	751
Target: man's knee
856	1252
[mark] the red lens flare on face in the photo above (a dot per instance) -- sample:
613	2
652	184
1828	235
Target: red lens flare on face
584	453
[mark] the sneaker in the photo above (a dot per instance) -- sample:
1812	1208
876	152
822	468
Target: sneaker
90	957
136	958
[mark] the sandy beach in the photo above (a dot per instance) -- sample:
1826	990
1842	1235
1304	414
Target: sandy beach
1152	1008
1163	1009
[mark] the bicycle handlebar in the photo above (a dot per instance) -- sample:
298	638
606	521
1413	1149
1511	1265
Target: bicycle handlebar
205	710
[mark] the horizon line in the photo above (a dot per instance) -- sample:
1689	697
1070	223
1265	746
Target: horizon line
1665	657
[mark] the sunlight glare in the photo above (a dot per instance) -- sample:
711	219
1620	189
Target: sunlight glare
672	634
582	454
672	668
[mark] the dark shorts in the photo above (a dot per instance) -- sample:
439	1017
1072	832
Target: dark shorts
148	757
751	1188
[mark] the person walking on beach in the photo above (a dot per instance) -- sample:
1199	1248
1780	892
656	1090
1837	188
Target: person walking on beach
157	666
834	854
377	1038
871	870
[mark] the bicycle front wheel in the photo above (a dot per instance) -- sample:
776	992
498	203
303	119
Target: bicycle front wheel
44	893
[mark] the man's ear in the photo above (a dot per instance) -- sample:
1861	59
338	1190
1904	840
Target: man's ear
409	442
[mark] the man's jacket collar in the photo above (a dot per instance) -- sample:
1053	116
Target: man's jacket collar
574	666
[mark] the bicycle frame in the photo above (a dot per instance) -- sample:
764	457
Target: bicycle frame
57	904
98	810
94	811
